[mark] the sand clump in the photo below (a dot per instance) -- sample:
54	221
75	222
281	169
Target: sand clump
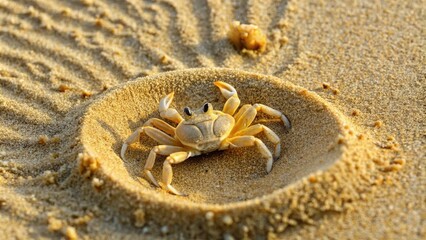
139	218
247	37
88	165
54	224
71	233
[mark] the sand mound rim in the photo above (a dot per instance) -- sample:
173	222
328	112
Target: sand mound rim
220	178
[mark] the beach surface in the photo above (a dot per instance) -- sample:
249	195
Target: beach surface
78	77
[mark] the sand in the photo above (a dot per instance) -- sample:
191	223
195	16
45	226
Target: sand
78	77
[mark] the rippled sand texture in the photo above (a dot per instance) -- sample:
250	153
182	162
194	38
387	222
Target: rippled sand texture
366	59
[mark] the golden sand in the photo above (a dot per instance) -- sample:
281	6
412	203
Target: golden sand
77	77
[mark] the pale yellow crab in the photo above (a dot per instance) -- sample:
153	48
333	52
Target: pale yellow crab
205	130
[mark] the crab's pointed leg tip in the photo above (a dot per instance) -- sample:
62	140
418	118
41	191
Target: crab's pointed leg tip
123	151
173	190
286	122
269	166
151	178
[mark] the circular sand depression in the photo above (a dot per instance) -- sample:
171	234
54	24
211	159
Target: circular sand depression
226	178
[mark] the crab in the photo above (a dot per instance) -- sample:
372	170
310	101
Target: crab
205	130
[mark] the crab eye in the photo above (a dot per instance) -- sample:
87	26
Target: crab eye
187	111
206	107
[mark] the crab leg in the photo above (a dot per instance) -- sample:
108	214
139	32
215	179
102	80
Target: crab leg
248	141
240	112
245	118
231	95
167	175
160	124
153	133
274	113
169	113
161	150
271	135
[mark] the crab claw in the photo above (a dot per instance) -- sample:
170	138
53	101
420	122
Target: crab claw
166	101
226	89
169	113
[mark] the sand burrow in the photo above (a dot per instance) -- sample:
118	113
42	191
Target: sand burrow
221	177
